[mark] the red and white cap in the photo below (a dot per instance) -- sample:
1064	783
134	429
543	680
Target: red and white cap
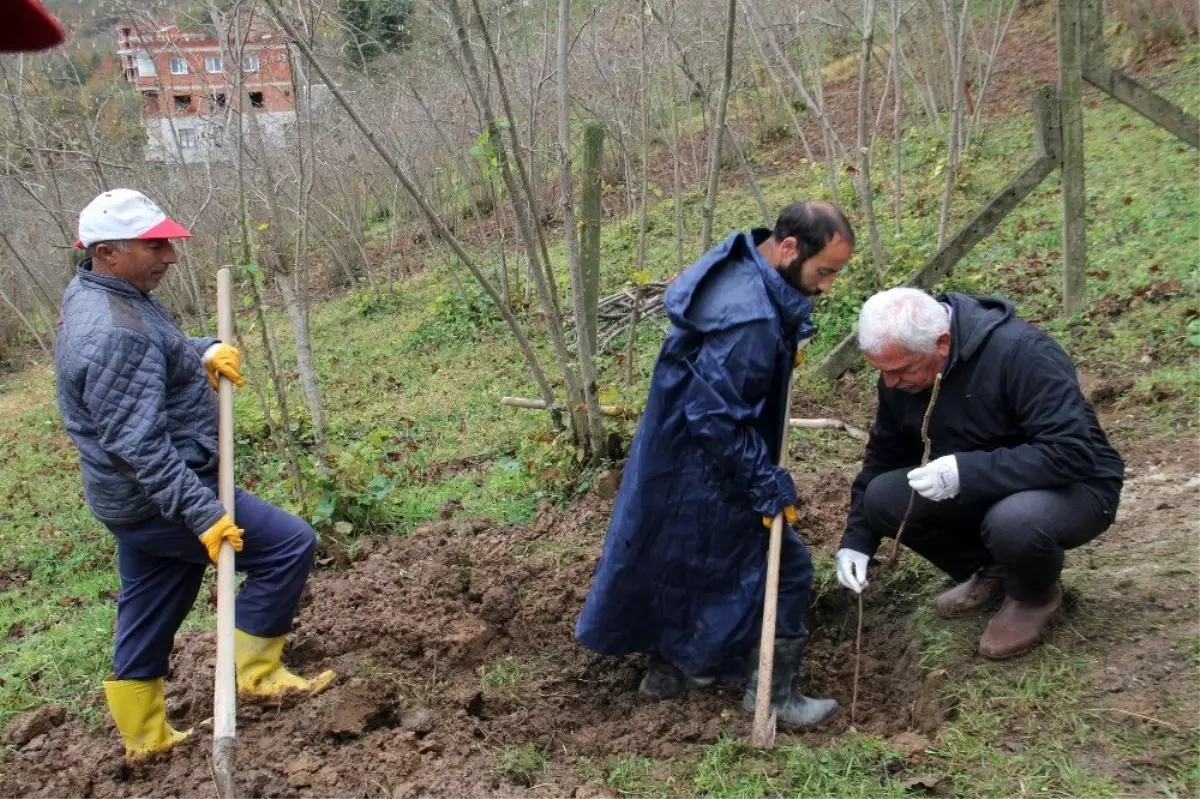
27	27
123	214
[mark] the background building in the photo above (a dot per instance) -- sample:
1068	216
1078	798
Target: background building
188	90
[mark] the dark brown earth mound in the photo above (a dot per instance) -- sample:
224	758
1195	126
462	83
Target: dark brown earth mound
452	644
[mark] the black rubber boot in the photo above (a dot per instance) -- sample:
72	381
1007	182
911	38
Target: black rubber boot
790	706
663	680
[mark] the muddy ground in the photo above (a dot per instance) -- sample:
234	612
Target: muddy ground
410	627
457	641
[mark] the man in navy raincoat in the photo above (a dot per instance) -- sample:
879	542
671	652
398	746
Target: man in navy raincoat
683	571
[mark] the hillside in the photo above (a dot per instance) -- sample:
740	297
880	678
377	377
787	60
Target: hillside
458	536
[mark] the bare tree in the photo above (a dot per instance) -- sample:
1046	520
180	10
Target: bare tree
832	143
897	100
525	221
770	67
522	172
676	177
865	198
986	62
718	131
583	345
279	265
956	33
25	321
423	204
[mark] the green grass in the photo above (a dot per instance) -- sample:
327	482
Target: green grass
520	764
503	676
857	766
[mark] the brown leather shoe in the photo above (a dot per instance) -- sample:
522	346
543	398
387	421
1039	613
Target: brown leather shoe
982	589
1019	625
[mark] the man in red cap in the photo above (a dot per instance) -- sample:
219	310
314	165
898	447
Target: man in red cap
28	28
137	397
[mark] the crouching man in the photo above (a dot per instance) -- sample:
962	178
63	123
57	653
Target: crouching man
138	398
1020	469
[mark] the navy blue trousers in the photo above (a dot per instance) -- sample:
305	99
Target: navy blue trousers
162	564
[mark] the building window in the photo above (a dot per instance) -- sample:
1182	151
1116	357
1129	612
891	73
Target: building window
183	104
150	103
187	138
256	99
145	66
179	66
250	63
216	101
212	64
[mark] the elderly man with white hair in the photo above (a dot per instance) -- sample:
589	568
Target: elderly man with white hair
1019	470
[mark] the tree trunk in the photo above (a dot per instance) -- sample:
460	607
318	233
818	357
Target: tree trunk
304	363
526	224
631	349
896	108
518	159
282	268
419	199
865	197
676	166
718	132
281	434
956	114
762	55
25	321
595	448
751	183
589	201
643	96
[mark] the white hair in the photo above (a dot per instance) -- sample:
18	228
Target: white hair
904	316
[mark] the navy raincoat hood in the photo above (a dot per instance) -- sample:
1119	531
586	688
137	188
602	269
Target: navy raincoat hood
682	573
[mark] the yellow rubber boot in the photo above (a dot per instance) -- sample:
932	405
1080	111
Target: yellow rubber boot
140	711
261	673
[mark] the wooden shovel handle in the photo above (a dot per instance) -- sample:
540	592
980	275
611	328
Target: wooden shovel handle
763	734
225	695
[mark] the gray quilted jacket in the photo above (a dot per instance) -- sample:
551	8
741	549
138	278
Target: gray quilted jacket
135	400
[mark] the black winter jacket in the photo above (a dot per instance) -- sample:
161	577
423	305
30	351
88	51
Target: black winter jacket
1009	409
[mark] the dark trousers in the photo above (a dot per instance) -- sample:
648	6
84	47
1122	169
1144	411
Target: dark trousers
1026	532
162	565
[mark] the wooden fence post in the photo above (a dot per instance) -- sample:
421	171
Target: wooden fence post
1046	138
1070	98
589	240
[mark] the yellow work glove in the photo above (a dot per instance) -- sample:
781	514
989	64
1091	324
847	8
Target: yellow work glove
799	359
789	516
223	530
223	360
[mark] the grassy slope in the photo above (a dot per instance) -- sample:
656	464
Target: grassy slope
415	383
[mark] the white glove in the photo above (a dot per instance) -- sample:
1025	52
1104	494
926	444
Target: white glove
938	480
852	569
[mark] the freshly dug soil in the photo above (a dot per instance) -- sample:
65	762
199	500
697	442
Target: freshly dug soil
451	644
